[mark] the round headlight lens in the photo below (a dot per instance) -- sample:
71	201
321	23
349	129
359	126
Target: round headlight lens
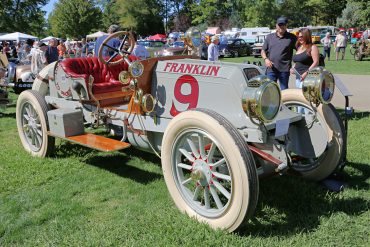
327	88
136	69
262	98
319	85
270	101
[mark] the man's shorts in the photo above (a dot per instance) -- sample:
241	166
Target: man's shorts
340	49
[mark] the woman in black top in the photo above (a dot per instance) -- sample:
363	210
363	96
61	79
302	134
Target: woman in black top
306	57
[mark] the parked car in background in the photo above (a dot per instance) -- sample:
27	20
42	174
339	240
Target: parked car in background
15	74
235	48
316	38
177	48
152	46
257	47
178	44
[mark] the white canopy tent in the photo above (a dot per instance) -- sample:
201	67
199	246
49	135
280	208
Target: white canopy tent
95	35
47	39
17	36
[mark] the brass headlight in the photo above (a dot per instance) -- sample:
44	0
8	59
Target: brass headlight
262	98
318	87
136	69
147	103
123	77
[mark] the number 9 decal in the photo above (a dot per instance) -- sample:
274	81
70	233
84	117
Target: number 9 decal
191	98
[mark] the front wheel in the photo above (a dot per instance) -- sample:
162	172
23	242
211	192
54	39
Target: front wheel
352	49
327	131
32	124
209	169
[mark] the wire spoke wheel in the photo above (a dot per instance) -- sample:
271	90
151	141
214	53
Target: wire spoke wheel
209	170
32	123
202	172
32	127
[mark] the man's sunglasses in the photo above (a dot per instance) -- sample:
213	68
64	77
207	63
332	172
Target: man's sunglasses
281	24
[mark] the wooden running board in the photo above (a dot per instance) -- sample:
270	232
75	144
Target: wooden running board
100	143
111	95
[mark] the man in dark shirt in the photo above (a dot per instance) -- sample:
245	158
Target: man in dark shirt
51	53
277	51
113	42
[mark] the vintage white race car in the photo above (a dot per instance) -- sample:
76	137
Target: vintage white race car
218	127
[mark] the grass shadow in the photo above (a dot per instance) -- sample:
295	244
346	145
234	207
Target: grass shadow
356	181
148	157
112	162
67	149
290	205
7	115
117	164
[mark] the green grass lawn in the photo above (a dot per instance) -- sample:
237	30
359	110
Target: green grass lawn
346	66
81	197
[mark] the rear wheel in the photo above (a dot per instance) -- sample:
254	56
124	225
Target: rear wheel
209	170
320	167
32	124
357	55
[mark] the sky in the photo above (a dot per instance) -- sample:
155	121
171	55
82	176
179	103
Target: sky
49	7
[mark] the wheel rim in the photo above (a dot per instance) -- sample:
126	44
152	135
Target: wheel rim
31	126
300	163
202	173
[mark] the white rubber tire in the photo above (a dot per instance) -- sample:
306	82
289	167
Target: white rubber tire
244	196
334	153
35	100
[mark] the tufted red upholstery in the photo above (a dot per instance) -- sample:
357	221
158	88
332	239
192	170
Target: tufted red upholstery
105	77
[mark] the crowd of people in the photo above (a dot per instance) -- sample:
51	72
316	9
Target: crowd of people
277	51
38	54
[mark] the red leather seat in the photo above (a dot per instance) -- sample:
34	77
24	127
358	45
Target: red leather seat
105	77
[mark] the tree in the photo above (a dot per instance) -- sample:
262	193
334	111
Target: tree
75	18
350	16
331	10
178	13
143	16
110	15
212	13
22	16
260	13
297	11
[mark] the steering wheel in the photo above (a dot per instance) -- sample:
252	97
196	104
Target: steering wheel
117	51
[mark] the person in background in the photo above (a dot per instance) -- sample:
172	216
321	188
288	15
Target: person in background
6	49
61	50
277	51
213	49
84	48
113	42
340	45
18	50
139	50
306	58
326	42
68	47
51	53
78	49
38	58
